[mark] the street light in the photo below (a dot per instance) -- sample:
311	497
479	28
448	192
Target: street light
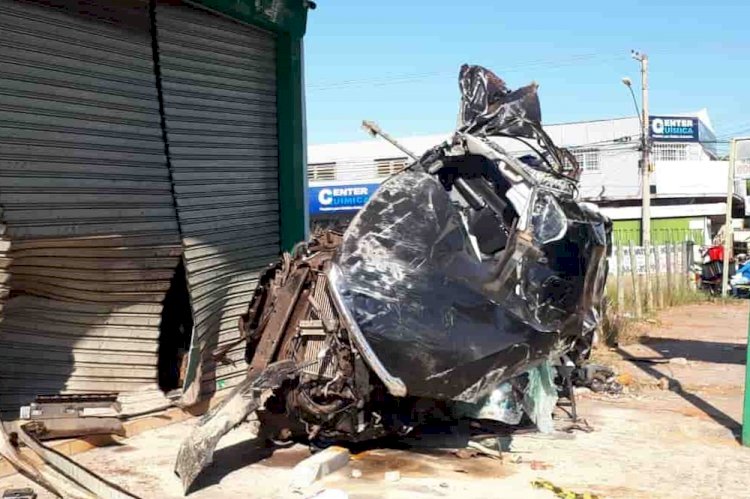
629	83
645	166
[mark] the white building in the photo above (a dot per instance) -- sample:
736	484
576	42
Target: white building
688	185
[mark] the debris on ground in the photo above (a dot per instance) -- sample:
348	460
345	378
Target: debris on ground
329	494
53	470
456	290
539	465
599	379
485	451
625	379
65	416
25	493
319	465
560	492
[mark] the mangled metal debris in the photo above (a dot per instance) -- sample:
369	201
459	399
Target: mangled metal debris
53	470
464	279
25	493
62	416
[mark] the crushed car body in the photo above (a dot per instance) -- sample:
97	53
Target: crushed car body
464	273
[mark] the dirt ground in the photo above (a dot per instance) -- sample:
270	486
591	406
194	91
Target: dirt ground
670	438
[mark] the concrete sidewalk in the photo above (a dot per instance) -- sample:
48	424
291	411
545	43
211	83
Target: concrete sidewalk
650	442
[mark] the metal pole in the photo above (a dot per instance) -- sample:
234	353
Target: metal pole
728	220
645	166
373	129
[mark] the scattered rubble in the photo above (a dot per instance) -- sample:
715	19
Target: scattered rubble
599	379
319	465
561	492
52	470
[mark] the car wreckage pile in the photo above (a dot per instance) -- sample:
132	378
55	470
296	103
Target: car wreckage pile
469	286
466	281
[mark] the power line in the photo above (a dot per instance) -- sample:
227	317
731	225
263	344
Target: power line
547	63
408	78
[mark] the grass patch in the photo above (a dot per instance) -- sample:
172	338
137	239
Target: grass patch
624	323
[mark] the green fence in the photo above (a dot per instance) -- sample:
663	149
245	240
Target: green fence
664	230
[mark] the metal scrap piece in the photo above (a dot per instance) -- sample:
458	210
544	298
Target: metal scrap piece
196	452
62	476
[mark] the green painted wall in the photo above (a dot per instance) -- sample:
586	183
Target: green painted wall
287	16
292	141
663	230
624	231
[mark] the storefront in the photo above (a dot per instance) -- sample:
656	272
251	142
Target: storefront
152	163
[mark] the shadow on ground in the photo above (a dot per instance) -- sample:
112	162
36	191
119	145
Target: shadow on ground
697	350
692	350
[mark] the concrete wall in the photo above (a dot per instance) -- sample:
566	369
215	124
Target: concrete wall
690	178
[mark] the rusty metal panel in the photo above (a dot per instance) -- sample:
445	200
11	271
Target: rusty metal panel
91	237
219	89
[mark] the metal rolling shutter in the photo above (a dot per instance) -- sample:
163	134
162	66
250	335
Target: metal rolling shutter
219	90
86	197
4	262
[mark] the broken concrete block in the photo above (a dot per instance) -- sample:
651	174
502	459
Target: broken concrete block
319	465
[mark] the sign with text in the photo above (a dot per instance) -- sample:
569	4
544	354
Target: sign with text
673	128
339	198
658	251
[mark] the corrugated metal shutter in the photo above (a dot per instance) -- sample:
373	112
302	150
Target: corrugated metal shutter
219	90
87	199
4	262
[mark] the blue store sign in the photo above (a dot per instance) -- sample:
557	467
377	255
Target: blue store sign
339	198
673	128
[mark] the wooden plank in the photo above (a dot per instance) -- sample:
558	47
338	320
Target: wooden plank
649	289
670	274
657	280
620	280
637	306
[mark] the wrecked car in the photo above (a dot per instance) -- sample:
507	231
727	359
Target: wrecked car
464	273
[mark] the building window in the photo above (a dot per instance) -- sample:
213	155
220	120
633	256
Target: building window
321	171
588	159
669	152
388	166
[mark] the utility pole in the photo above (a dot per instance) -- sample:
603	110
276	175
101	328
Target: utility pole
645	147
728	232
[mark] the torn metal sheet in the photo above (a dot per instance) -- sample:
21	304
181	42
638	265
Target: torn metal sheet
59	474
466	274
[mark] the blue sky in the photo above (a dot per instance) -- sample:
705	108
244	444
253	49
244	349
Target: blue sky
397	62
